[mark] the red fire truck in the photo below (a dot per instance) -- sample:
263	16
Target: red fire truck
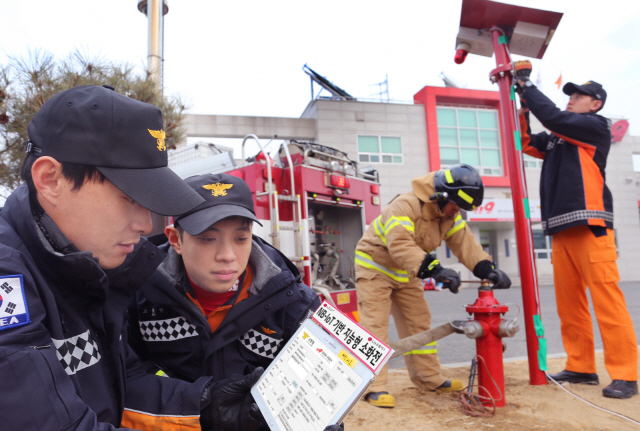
314	203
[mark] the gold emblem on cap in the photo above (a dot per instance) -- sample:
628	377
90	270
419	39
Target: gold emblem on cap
159	135
218	189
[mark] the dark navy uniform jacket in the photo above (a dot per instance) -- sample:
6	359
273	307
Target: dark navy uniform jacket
169	330
572	183
64	360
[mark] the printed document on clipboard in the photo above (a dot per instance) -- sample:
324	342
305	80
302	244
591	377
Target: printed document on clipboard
320	374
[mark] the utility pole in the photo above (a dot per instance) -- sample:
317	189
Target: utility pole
155	11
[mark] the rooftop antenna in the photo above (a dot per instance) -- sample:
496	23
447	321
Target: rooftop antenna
448	82
337	92
382	92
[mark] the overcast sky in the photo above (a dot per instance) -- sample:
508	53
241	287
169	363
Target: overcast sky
245	57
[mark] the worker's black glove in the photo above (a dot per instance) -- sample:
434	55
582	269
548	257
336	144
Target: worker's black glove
486	270
230	405
431	267
335	427
500	279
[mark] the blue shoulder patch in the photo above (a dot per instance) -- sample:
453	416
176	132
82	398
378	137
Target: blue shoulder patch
13	303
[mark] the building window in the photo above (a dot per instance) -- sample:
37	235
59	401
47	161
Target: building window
636	162
470	136
532	162
541	245
379	149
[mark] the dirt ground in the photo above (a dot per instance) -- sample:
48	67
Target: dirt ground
545	407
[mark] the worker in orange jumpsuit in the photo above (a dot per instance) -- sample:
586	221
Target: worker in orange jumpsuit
393	256
577	210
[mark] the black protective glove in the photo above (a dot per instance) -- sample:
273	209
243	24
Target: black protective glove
230	405
486	270
431	267
335	427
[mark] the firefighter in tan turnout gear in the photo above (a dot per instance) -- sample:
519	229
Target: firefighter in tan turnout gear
393	256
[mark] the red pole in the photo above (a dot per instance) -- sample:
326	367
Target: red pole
524	237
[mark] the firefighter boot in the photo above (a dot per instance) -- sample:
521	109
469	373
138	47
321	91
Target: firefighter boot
621	389
566	376
452	385
381	399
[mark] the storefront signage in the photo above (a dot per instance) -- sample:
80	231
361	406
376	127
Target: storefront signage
502	210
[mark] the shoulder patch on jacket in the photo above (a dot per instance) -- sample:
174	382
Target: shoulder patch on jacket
260	344
13	302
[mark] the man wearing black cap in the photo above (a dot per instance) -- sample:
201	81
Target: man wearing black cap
72	258
237	298
577	210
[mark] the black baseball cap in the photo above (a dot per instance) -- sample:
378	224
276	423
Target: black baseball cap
590	88
224	195
122	137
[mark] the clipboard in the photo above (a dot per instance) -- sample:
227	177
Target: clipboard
316	379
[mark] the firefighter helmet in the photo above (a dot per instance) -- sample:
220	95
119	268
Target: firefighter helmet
460	184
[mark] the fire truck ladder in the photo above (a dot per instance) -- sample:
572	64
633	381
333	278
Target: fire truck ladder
274	198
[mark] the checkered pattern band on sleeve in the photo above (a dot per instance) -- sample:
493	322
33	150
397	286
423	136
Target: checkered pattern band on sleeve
577	215
167	330
260	344
77	353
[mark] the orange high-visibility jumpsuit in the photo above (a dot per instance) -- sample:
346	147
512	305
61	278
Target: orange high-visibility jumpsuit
580	260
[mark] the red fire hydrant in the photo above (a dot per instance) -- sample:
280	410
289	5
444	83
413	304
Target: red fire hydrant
488	329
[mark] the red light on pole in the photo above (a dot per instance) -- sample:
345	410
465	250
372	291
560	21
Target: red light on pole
461	53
